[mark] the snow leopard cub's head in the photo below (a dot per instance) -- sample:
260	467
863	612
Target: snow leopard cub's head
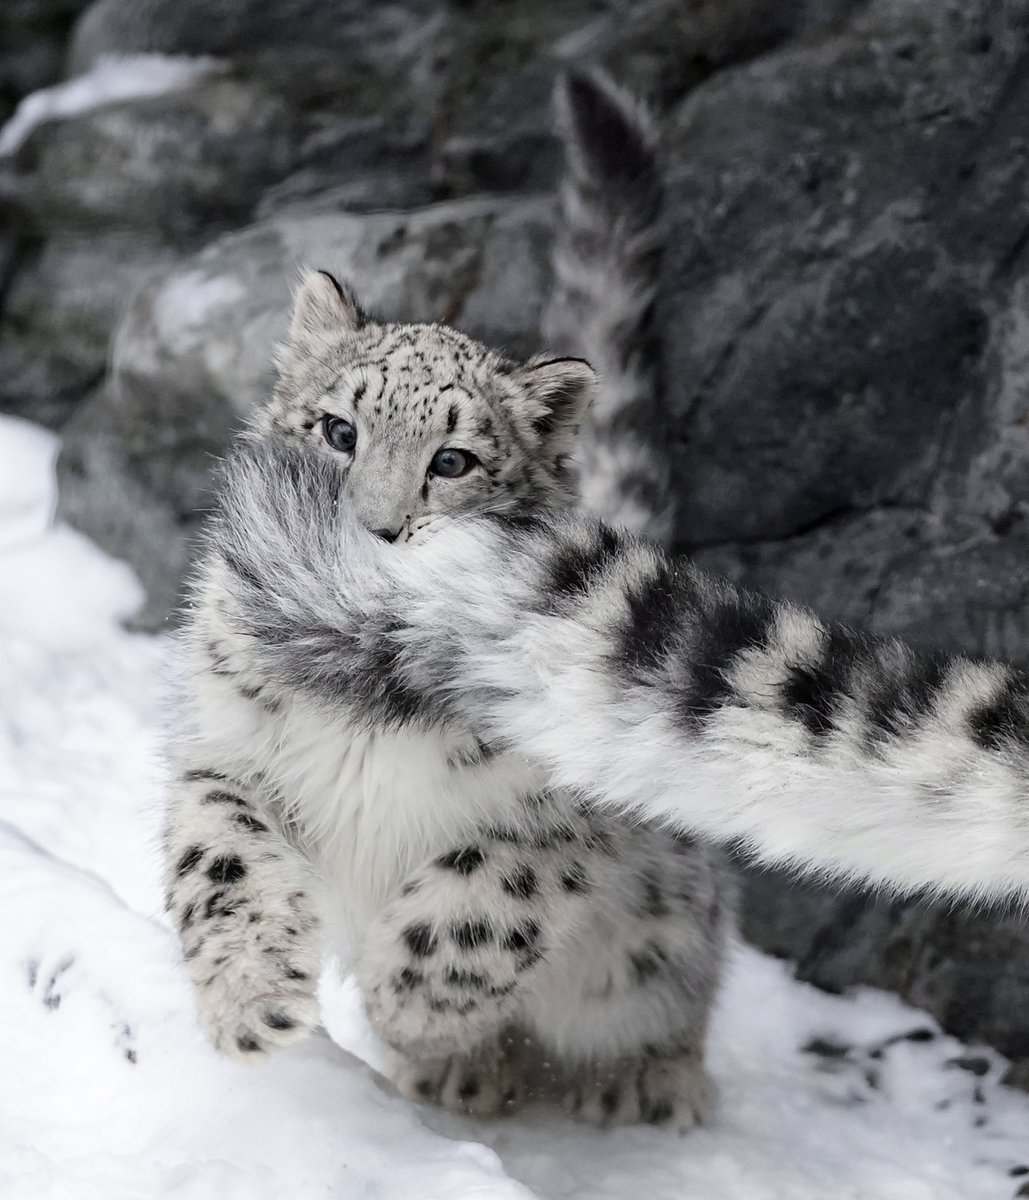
425	422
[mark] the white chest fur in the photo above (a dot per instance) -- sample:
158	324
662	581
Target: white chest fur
376	804
370	805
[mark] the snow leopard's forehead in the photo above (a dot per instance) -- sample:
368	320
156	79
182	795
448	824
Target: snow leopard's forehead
401	381
411	390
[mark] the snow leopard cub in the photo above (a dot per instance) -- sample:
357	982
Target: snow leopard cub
482	943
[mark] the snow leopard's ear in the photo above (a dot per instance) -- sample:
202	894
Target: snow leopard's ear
560	390
323	307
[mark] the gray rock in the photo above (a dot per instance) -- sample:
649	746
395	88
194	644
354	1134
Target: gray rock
102	199
193	353
61	306
392	31
33	35
814	195
170	166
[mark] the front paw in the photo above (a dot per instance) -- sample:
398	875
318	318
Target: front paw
256	970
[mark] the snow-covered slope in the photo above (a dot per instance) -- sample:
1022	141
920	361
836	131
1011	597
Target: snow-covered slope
107	1090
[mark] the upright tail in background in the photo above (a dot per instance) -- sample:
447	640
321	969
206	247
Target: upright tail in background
606	259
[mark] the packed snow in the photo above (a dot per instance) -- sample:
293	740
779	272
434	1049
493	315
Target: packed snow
108	1090
112	79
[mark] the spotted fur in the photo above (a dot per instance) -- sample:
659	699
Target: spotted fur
493	922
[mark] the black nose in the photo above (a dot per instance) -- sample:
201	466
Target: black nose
387	535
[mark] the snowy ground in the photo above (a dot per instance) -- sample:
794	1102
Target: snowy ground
107	1090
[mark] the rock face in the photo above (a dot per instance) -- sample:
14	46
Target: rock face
843	315
33	34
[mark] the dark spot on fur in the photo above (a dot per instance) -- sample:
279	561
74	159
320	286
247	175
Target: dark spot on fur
576	568
420	940
198	774
1000	721
189	860
648	962
574	878
292	973
563	834
657	1112
465	979
186	920
471	934
277	1020
228	868
653	903
224	798
730	625
249	822
502	833
521	882
469	1088
463	861
215	906
897	704
652	622
248	1044
426	1088
408	979
811	693
522	937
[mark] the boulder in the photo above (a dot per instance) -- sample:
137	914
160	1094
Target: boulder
102	197
33	36
393	32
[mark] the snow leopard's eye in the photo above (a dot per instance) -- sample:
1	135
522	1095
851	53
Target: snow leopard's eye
452	464
340	434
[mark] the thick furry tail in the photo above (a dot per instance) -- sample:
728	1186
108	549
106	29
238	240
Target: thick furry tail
606	259
640	681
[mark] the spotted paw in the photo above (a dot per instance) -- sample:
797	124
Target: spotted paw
488	1082
256	978
260	1024
671	1092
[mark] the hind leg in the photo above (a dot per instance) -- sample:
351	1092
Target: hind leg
487	1080
445	968
667	1087
624	1007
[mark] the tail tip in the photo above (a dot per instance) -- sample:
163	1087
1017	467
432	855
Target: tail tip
603	123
